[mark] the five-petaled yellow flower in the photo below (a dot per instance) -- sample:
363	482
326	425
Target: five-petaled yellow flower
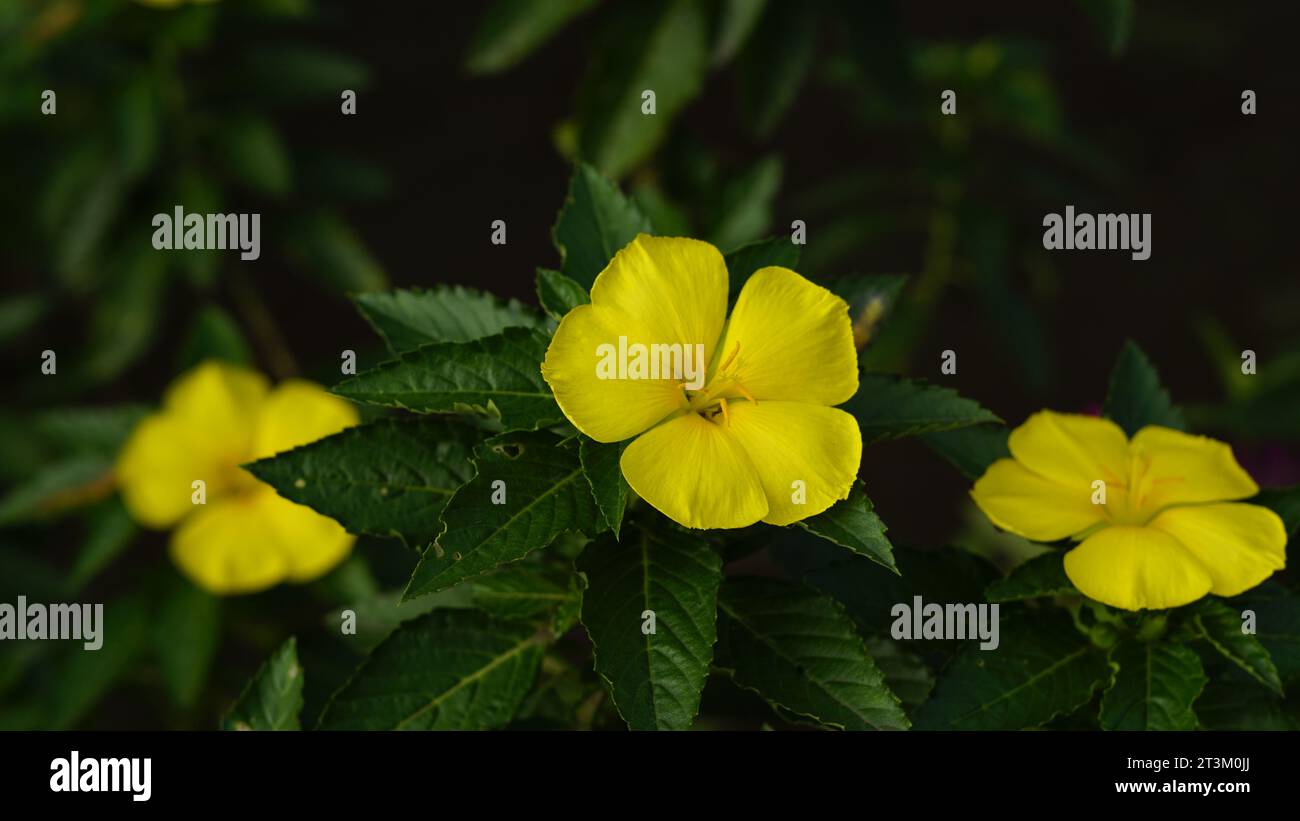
1169	531
758	440
245	537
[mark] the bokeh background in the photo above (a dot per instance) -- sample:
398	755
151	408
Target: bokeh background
826	112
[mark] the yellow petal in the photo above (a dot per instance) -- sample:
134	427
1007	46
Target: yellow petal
795	340
1133	568
226	548
298	412
310	543
1181	468
157	466
1072	449
1023	502
221	402
695	473
607	410
1239	545
674	289
791	442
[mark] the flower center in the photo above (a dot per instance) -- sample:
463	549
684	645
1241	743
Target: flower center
1133	499
724	385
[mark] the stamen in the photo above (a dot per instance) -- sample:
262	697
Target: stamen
745	393
731	356
726	415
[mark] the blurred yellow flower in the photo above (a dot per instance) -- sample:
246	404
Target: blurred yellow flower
1154	515
749	435
243	537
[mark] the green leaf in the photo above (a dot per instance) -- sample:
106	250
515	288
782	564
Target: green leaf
545	495
255	155
600	464
660	46
1277	624
1037	578
510	30
1042	668
499	376
301	74
388	478
523	591
407	319
110	530
853	523
1153	687
889	407
329	251
1285	502
744	207
56	489
774	63
745	260
595	222
737	22
655	679
800	651
871	298
187	630
559	294
1220	625
450	669
84	677
272	699
905	673
971	450
1136	398
214	334
99	431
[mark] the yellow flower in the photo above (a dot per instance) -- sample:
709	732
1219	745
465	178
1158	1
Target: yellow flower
754	438
1166	531
244	537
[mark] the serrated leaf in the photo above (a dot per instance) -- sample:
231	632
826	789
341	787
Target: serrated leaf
1277	626
391	477
545	495
800	651
655	679
1153	687
853	523
497	376
660	46
747	259
889	407
1220	626
521	591
407	319
1136	398
600	464
595	222
1039	577
272	699
1042	668
510	30
971	450
450	669
559	294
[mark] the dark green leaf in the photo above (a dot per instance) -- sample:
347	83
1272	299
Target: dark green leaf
544	495
110	531
1276	613
522	591
889	407
272	699
655	678
499	376
1153	687
595	222
1039	577
407	319
1221	626
660	46
214	334
853	523
255	155
1042	668
774	63
1136	398
971	450
57	488
328	251
387	478
600	464
511	29
450	669
747	259
1285	502
744	208
187	630
800	651
84	677
738	19
559	294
